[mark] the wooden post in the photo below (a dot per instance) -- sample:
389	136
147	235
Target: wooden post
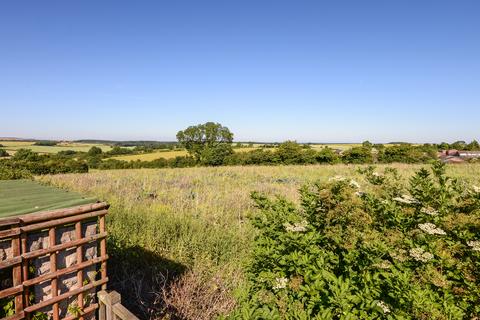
23	246
112	299
78	236
111	308
17	273
103	250
53	268
102	310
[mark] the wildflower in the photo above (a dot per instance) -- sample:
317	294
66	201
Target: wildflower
476	189
359	193
430	228
383	306
280	283
296	227
429	211
474	244
406	199
376	174
385	264
420	255
400	255
354	184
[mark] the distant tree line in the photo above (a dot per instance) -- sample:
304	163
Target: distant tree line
25	163
46	143
210	144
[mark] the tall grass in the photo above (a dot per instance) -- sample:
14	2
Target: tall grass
168	224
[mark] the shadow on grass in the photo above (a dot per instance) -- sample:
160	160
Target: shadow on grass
141	276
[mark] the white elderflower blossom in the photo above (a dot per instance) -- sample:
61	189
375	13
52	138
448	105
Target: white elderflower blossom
354	184
280	283
383	306
337	178
429	211
296	227
430	228
359	193
474	244
420	255
385	264
406	199
376	174
476	189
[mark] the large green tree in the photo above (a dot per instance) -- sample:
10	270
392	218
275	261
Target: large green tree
202	140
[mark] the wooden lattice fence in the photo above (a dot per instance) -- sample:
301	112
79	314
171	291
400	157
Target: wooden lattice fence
55	261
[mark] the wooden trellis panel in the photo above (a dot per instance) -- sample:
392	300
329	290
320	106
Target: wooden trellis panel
18	230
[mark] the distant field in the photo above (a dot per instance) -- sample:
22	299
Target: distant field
164	154
13	146
167	154
341	146
151	156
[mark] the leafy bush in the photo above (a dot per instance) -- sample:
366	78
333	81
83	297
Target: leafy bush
383	251
3	153
47	143
403	153
26	163
358	155
12	173
94	151
116	150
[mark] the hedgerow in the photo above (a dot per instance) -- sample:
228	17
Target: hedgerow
379	250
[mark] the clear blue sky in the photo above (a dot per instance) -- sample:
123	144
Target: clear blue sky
336	71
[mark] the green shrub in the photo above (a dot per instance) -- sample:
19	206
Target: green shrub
3	153
358	155
12	173
47	143
381	250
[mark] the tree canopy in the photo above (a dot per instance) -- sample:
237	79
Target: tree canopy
207	136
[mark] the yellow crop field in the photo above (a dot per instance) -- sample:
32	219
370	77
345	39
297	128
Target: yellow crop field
164	154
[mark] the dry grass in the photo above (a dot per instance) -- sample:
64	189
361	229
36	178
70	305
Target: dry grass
186	218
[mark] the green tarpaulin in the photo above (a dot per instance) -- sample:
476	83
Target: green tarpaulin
25	196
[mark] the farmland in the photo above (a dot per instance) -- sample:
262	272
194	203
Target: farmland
14	145
193	224
166	154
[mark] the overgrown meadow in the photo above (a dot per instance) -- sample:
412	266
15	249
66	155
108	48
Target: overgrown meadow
183	245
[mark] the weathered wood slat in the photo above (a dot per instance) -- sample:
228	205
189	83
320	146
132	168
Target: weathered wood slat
9	221
61	272
11	291
61	213
65	295
62	221
9	233
85	311
16	316
63	246
10	262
